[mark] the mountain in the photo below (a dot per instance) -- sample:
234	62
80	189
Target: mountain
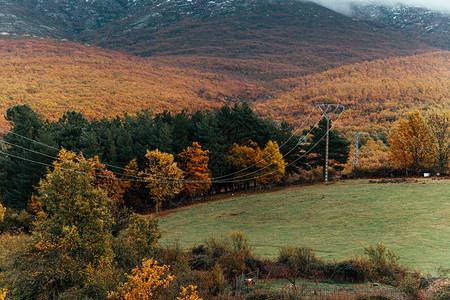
252	39
282	56
432	26
56	76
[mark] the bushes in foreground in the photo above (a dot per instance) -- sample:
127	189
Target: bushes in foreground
210	267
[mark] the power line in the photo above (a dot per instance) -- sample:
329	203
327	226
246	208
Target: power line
161	177
215	180
171	180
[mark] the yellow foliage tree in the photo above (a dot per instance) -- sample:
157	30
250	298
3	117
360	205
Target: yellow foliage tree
194	163
189	293
145	283
272	164
373	155
244	161
412	144
439	124
163	176
5	291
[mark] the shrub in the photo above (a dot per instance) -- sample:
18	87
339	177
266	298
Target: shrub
374	297
218	280
412	284
189	293
231	252
101	278
175	257
15	220
384	264
3	293
443	294
300	262
143	232
136	242
349	271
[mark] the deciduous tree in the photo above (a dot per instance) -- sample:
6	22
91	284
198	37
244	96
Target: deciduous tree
412	144
144	283
163	176
244	161
72	231
439	124
194	163
272	164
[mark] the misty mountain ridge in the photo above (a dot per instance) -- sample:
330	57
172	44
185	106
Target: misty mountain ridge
70	18
256	39
433	25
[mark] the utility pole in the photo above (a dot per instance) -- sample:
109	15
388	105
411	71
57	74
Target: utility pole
327	110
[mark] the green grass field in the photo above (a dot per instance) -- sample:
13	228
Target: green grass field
337	221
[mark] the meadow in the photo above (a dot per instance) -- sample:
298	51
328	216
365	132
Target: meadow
337	220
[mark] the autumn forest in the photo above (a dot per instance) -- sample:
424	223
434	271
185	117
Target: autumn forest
223	149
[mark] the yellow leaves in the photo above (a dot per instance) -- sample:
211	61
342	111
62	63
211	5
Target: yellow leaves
163	176
272	165
5	291
2	212
244	158
149	282
145	283
189	293
132	172
268	165
412	144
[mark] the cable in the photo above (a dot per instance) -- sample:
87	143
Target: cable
162	177
279	147
291	163
171	180
263	168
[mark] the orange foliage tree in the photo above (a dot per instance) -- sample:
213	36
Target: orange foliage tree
106	180
194	163
412	146
189	293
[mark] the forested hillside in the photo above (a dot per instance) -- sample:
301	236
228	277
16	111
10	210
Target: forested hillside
55	76
377	92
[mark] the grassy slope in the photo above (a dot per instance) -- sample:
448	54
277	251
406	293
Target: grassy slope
337	221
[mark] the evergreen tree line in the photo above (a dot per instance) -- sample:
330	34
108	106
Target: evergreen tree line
119	141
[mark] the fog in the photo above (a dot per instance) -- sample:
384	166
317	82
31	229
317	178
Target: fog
342	6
